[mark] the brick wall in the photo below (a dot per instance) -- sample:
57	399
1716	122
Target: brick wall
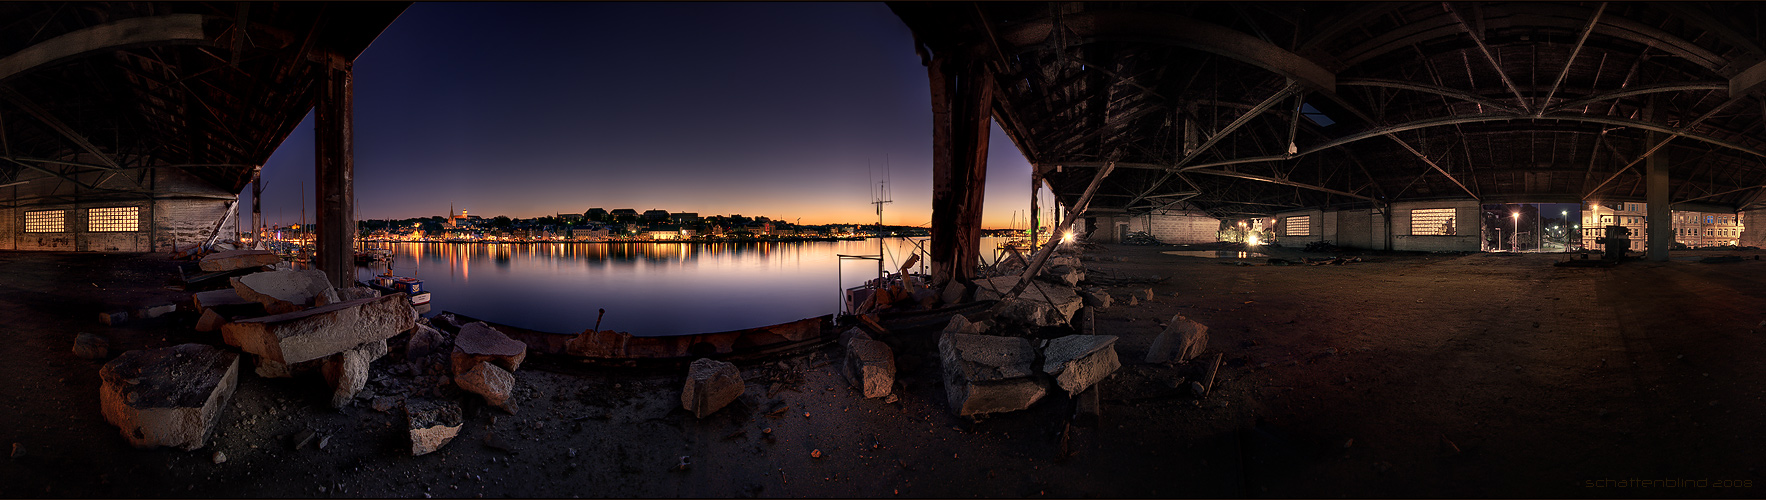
1178	227
1753	231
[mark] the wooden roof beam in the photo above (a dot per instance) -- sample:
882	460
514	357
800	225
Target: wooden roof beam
141	31
1181	31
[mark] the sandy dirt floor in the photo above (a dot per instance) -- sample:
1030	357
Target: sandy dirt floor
1403	375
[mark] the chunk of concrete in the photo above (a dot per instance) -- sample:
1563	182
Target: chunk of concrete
1144	294
169	396
492	382
961	324
1182	339
347	371
113	318
870	367
1079	361
282	291
1040	304
1063	275
238	259
854	333
424	341
479	342
1096	298
89	346
711	385
953	292
321	331
988	374
345	294
151	312
432	424
216	298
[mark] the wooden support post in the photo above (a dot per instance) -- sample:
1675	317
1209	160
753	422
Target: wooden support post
1035	210
962	100
335	172
257	214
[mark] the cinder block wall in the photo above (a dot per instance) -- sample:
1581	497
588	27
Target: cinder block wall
1284	234
1178	227
1465	239
182	211
1753	231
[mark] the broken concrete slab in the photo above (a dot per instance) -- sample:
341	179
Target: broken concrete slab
988	374
479	342
282	291
347	371
321	331
1182	339
425	340
90	346
1096	298
953	292
113	318
1144	294
155	311
345	294
961	324
711	385
1079	361
1040	304
215	298
210	321
238	259
854	333
870	367
432	424
1063	275
170	396
492	382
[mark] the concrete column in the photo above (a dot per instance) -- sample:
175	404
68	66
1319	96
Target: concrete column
1658	223
334	155
962	113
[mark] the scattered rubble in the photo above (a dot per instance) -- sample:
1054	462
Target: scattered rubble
347	371
1079	361
711	384
1096	298
1063	274
1039	304
90	346
870	366
238	259
1144	294
113	318
423	341
479	342
151	312
283	291
988	374
432	424
961	324
1182	340
170	396
492	382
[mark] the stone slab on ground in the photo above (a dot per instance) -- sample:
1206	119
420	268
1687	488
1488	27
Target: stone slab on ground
345	294
282	291
479	342
214	317
91	346
347	371
321	331
711	385
1182	340
870	367
170	396
961	324
222	297
988	374
495	384
238	259
432	424
1079	361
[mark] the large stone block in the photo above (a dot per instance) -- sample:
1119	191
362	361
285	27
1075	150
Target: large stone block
170	396
1078	361
345	294
988	374
1182	339
479	342
492	382
296	337
283	291
432	424
870	367
711	384
238	259
347	371
961	324
425	340
222	297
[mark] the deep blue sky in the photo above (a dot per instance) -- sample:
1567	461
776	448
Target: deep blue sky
530	109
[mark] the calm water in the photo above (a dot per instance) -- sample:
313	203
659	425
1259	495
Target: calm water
647	288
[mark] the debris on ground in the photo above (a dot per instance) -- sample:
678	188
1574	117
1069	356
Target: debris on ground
90	346
170	396
711	385
1182	340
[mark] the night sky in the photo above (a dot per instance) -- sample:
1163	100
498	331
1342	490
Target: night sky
531	109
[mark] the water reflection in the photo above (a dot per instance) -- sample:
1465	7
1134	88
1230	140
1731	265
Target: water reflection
647	288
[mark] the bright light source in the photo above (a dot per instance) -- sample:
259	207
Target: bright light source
1067	237
1251	240
1517	215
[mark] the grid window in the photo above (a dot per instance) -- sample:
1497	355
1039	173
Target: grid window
113	219
46	221
1299	225
1432	222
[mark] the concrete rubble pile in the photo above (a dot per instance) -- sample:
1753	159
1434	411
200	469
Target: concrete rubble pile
169	396
484	361
986	374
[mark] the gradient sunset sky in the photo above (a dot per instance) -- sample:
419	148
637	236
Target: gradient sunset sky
531	109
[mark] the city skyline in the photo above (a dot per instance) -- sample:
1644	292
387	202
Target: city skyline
527	110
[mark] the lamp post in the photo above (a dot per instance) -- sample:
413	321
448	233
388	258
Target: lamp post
1514	242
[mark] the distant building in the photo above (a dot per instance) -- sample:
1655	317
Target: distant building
589	233
663	232
656	215
684	217
596	214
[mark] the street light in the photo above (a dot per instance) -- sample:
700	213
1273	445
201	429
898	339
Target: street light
1514	242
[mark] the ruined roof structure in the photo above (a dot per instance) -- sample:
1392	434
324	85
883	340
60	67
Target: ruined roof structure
1242	109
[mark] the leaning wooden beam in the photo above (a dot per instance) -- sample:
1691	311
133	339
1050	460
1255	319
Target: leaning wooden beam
1042	256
